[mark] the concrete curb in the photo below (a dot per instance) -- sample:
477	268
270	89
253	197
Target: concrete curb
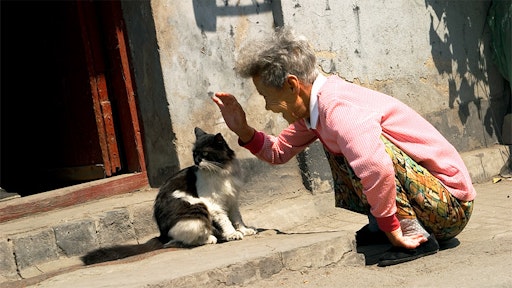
37	245
485	163
56	240
232	263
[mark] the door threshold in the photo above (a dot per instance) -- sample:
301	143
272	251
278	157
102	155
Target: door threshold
72	195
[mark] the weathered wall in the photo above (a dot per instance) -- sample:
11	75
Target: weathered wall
194	42
157	133
197	40
432	55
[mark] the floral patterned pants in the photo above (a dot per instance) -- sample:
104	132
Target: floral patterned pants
418	194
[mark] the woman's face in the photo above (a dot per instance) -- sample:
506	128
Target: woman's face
284	100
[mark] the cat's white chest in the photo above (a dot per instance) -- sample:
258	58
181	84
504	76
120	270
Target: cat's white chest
220	190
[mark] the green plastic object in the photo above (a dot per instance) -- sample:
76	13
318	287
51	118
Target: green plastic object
500	24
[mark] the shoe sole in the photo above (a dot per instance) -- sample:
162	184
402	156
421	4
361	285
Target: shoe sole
383	263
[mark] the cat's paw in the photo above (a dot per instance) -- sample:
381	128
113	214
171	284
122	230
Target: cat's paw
237	235
247	231
211	240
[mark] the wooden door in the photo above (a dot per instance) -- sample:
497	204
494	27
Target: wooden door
68	106
99	92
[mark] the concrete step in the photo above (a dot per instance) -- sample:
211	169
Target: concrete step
483	164
52	244
232	263
49	242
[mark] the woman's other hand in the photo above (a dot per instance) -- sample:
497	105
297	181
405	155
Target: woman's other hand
409	242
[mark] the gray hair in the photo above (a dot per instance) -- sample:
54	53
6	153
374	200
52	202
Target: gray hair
275	58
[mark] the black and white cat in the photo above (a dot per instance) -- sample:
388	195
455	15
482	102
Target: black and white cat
199	205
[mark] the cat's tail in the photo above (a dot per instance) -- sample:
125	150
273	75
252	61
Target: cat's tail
120	251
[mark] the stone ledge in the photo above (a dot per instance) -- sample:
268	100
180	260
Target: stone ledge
24	254
485	163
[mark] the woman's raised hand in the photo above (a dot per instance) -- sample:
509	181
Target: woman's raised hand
234	115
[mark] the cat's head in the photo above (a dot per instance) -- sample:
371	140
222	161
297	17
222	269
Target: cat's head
211	151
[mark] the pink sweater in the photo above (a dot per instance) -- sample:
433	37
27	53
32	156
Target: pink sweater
349	119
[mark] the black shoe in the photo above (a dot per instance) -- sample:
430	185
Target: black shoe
397	255
365	237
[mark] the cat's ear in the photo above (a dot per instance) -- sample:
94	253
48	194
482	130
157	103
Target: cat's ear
199	132
218	138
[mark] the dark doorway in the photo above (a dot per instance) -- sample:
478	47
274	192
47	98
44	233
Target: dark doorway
68	114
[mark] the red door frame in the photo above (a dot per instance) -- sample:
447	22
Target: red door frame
96	67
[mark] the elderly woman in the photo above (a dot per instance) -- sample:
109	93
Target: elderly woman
386	160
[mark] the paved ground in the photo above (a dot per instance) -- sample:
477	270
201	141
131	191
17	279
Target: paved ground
306	242
481	256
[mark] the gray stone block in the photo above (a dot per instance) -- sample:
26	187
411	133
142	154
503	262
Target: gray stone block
35	248
483	164
76	238
143	222
270	266
115	227
7	264
240	274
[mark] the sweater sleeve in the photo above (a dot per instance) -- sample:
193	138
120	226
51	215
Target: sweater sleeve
280	149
